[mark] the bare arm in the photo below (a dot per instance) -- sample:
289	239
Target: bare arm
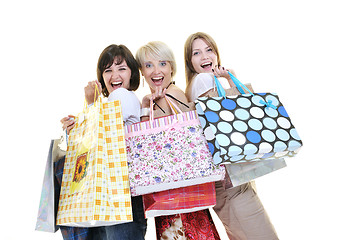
220	71
159	98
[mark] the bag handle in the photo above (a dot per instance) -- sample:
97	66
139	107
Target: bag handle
96	91
240	86
174	108
177	100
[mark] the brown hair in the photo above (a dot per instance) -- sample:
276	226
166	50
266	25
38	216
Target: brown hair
189	68
118	53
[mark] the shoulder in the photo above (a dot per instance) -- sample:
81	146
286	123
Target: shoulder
177	93
122	94
200	84
202	81
203	78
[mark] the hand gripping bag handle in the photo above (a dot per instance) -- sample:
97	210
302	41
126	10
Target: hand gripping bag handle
237	83
241	88
174	108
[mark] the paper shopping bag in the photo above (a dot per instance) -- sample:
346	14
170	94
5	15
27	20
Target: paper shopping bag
95	188
167	153
46	220
190	226
180	200
240	173
247	127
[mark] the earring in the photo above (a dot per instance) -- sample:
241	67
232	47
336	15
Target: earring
143	81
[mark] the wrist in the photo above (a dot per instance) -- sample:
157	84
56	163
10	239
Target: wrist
144	112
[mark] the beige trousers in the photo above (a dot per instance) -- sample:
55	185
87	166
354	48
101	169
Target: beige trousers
242	213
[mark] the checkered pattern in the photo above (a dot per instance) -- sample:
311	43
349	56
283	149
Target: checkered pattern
104	193
180	200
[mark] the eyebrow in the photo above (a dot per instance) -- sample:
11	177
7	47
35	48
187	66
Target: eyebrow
198	49
119	65
148	61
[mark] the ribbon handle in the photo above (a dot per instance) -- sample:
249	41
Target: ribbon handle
174	109
96	91
220	89
240	86
268	104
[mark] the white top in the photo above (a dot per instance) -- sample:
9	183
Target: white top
130	104
202	83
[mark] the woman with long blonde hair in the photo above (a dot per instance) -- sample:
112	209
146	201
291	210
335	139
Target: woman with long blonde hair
239	208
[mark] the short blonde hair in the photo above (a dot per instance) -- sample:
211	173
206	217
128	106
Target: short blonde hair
157	50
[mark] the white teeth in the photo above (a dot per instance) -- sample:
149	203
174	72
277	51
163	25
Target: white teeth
116	83
157	78
206	64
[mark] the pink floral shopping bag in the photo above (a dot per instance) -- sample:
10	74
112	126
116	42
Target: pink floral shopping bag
167	153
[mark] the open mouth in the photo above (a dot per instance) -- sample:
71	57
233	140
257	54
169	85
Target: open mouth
206	65
157	80
116	84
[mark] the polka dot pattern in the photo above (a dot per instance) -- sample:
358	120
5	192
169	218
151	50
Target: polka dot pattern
243	128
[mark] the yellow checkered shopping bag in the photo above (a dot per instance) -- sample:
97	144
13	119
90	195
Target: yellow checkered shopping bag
95	187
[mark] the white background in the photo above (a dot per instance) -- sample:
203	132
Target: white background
307	51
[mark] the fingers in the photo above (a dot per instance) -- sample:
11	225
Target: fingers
220	71
158	93
90	91
68	123
99	86
68	129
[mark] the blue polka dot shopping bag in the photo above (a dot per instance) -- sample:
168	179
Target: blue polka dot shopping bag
247	127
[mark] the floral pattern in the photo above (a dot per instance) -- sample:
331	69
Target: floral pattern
175	154
81	167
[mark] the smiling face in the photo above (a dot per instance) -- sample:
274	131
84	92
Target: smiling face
203	56
117	76
156	72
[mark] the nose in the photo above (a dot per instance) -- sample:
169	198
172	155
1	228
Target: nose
204	55
156	69
116	74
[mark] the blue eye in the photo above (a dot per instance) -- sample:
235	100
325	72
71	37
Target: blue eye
209	49
163	63
147	65
195	53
